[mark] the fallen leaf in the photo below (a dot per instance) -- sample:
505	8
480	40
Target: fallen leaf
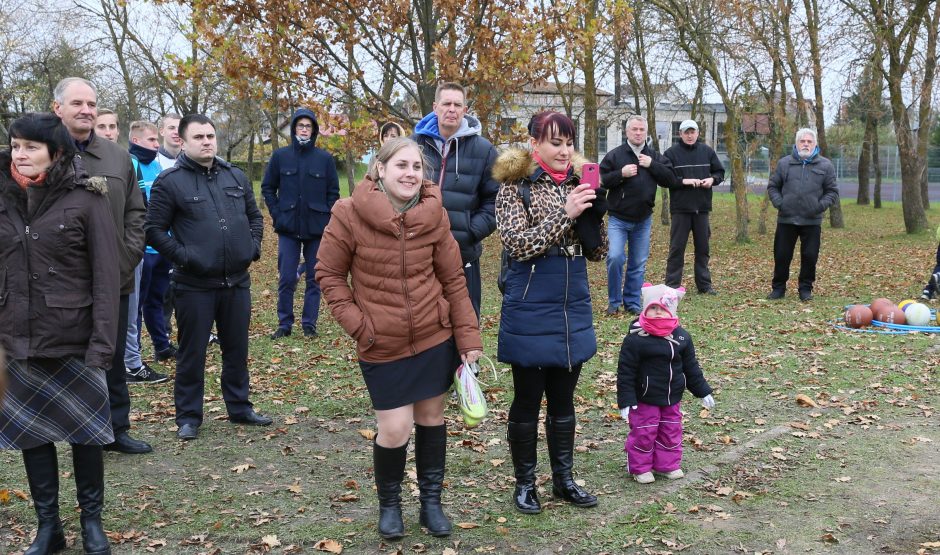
843	479
829	538
271	541
497	462
238	469
467	525
330	546
805	401
368	434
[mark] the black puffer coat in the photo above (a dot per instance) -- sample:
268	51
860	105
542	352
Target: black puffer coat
655	370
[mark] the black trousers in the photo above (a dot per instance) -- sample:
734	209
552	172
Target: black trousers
529	384
118	396
682	224
471	270
230	309
810	237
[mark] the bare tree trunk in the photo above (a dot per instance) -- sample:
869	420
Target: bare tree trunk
864	165
876	163
926	88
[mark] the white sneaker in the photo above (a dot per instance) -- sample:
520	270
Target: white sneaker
672	475
645	478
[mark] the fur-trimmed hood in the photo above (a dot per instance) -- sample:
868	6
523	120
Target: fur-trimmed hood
514	164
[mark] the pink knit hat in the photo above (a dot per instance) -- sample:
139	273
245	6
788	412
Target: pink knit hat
664	296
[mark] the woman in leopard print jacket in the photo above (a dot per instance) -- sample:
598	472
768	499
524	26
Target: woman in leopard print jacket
545	218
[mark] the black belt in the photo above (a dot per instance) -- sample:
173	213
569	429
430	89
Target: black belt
570	251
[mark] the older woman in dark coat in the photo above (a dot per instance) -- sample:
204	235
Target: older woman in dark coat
59	289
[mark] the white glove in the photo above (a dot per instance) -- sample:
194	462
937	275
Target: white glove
625	412
708	402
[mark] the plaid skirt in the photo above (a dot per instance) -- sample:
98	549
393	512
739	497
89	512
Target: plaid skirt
54	399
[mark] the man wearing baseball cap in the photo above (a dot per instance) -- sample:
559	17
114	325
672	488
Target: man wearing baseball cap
698	170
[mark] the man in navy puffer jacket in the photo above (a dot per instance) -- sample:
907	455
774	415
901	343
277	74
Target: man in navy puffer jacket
299	188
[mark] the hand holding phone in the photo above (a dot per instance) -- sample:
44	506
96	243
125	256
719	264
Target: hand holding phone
590	175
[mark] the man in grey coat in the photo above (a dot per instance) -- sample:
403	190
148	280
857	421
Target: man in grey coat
801	189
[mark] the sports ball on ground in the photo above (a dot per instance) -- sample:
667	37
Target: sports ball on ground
890	314
917	314
878	303
858	316
905	303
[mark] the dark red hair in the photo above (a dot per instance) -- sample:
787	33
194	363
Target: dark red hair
549	123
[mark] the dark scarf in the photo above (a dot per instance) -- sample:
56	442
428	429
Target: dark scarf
143	154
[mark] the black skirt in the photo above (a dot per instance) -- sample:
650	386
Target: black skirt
408	380
54	399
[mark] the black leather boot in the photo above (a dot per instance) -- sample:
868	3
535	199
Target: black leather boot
42	473
389	468
523	442
559	432
430	452
89	489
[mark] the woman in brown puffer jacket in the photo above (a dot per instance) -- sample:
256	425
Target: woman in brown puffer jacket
409	311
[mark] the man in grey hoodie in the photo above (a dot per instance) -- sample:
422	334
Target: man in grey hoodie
801	189
461	161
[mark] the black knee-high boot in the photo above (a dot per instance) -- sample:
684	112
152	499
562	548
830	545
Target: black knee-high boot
42	472
523	443
430	452
89	489
389	467
559	431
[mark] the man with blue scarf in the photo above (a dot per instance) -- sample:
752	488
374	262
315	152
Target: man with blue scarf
801	189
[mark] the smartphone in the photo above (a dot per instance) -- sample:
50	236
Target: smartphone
591	174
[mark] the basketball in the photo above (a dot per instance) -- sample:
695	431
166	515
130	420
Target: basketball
877	304
858	316
917	314
905	303
890	314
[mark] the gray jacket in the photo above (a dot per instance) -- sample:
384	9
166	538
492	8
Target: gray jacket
802	190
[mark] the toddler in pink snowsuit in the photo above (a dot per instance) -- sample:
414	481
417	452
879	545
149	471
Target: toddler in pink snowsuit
657	362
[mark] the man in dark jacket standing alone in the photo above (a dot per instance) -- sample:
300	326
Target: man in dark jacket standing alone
698	170
801	189
76	104
203	218
299	187
630	174
461	161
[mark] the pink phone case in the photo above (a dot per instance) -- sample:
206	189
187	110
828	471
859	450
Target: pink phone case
590	174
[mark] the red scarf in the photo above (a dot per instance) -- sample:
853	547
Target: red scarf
24	181
660	327
557	176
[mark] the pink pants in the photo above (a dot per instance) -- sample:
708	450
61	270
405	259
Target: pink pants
655	439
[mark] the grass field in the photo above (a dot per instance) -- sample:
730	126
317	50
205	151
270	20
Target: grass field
854	467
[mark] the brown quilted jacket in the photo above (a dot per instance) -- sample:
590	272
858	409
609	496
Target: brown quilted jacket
408	292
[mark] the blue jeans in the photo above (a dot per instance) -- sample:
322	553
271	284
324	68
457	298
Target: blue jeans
635	237
288	257
154	283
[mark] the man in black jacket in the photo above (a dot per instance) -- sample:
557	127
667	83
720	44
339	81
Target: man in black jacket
630	174
461	161
204	219
698	170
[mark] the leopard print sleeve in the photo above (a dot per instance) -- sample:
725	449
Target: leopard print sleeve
526	236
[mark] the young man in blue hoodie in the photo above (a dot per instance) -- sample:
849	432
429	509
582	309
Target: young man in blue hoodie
299	188
461	161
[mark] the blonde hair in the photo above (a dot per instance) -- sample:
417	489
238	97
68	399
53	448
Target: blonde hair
389	149
138	128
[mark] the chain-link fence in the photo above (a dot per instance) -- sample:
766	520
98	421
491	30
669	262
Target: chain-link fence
845	159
